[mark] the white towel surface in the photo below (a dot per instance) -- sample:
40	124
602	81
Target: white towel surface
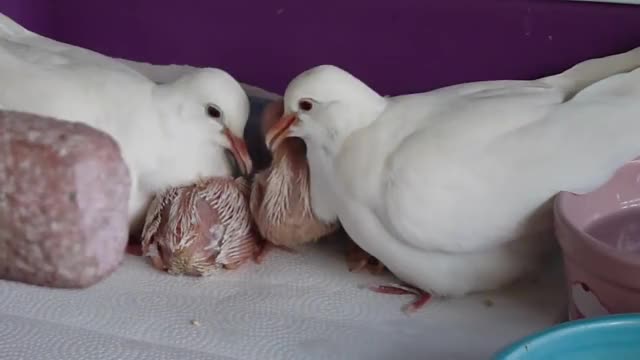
293	306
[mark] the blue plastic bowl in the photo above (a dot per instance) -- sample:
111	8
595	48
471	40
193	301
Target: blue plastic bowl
614	337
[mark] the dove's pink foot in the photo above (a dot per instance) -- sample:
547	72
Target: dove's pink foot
422	297
268	247
358	260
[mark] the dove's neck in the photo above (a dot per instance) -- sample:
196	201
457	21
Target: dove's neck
337	131
321	183
361	117
326	147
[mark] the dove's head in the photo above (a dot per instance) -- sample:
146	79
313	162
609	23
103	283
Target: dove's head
209	107
325	105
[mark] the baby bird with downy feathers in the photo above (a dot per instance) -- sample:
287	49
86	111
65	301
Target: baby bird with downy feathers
281	201
200	228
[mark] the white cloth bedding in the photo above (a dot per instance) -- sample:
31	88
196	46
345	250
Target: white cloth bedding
293	306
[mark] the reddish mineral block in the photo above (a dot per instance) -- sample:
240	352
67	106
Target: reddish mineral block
64	192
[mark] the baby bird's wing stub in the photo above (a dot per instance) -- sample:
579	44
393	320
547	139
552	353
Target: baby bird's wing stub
152	225
256	197
239	242
153	219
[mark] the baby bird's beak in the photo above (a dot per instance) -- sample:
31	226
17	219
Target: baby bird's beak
240	152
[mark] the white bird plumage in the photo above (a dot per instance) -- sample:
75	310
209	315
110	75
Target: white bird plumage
451	189
169	134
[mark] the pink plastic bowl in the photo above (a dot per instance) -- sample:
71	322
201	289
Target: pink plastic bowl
602	266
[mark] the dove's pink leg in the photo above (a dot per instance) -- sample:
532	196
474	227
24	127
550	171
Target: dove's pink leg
422	297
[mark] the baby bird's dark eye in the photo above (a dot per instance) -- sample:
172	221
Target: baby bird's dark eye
213	112
305	105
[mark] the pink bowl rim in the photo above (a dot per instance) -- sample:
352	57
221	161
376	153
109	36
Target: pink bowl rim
592	243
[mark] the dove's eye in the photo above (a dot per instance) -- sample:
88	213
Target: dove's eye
213	112
305	105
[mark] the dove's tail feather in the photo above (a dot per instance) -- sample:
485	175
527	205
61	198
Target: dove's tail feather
9	28
591	71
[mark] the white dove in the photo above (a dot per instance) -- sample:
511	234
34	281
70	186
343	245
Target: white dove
451	189
170	134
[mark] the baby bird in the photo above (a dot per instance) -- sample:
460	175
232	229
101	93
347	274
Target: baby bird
280	198
281	202
200	228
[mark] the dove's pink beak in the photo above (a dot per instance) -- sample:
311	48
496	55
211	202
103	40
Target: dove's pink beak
240	152
280	131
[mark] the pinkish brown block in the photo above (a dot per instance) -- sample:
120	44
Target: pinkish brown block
64	192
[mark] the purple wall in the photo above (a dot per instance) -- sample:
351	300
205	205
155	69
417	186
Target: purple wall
396	46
